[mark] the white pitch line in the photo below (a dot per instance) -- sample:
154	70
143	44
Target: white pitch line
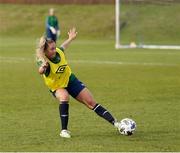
31	60
120	63
14	59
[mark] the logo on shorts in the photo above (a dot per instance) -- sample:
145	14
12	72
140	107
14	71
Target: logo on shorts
61	69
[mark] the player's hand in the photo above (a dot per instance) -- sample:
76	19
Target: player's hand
72	33
44	65
53	30
42	69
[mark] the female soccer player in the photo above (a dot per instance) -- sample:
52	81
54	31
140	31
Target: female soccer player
63	83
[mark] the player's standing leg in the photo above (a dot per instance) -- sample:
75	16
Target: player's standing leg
63	97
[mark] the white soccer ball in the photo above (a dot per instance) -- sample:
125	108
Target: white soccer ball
127	126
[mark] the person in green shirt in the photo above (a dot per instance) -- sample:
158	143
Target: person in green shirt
52	26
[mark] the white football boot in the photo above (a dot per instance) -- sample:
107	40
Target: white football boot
65	134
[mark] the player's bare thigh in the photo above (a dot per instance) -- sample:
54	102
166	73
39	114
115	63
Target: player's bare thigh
86	98
62	95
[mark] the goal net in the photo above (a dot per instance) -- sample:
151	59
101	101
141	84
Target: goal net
150	24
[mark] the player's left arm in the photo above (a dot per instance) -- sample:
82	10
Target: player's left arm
71	36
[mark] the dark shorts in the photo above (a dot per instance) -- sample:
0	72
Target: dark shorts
74	88
50	35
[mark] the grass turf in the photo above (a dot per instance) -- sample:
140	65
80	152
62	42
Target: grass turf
145	87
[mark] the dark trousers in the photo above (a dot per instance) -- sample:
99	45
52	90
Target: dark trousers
50	35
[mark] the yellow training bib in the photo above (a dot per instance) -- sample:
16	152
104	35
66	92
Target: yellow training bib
59	73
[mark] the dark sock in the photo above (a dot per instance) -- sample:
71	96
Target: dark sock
104	113
64	114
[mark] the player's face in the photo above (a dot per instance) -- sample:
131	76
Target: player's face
51	50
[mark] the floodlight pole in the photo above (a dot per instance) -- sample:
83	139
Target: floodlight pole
117	23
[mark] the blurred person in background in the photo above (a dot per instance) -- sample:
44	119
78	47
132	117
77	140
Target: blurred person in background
52	26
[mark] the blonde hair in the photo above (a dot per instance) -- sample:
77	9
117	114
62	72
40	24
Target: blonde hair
41	48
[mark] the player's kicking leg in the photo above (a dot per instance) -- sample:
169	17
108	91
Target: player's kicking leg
86	98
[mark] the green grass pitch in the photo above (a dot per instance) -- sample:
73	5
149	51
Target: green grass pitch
140	84
144	86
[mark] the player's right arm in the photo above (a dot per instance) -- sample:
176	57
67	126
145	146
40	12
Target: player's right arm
42	67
